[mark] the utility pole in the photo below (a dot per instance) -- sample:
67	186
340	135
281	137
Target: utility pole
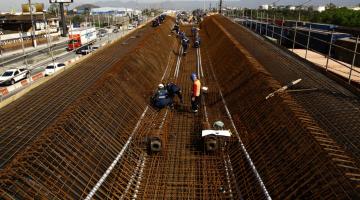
220	7
33	39
63	20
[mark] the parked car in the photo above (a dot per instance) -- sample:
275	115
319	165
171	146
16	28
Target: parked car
11	76
115	30
51	69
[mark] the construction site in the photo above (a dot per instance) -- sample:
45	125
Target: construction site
91	133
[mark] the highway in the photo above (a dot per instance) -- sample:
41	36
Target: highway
40	58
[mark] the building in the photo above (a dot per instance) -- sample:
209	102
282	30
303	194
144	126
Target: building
22	22
115	11
264	7
12	24
320	8
291	7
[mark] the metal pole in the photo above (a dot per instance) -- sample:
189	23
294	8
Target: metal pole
282	30
308	42
47	36
99	20
33	39
220	7
267	24
260	23
294	41
48	39
329	53
251	18
257	16
273	30
72	36
354	57
22	45
63	20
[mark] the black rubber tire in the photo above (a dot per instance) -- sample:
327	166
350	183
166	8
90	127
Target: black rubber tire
12	82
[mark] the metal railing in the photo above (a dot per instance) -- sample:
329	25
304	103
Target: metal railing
267	27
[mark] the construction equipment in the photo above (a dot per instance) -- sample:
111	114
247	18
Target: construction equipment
213	138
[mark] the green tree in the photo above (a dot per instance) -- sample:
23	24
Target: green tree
53	9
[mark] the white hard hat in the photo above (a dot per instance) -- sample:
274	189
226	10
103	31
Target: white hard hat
161	86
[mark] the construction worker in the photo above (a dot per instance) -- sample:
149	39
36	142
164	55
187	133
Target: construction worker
155	23
195	96
197	41
173	90
161	99
182	35
185	44
176	28
193	31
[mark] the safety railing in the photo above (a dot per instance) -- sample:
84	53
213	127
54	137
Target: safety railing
302	37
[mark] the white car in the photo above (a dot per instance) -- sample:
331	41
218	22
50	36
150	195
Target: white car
51	69
11	76
130	27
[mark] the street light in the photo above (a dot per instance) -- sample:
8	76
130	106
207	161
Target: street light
48	37
32	25
299	19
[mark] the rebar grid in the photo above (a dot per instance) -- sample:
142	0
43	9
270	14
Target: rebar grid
71	155
293	154
334	108
24	119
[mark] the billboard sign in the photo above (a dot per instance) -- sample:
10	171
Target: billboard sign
37	7
61	1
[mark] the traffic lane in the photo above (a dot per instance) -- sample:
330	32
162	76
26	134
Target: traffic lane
20	60
67	56
20	55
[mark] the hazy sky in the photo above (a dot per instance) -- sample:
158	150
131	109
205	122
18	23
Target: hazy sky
7	5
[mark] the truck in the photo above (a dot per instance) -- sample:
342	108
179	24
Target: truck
11	76
81	36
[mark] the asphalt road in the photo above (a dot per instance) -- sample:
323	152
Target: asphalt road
37	60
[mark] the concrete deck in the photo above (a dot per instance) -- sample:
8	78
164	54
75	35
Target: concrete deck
338	67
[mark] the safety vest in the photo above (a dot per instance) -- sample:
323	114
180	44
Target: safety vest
196	88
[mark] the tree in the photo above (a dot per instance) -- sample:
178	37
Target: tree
53	9
331	6
77	19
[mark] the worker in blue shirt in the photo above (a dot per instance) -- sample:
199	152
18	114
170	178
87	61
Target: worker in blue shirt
174	90
161	99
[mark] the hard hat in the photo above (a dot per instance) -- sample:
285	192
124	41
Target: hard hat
193	76
161	86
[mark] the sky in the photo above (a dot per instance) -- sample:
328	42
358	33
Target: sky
7	5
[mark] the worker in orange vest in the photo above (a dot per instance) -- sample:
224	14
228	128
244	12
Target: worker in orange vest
195	97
